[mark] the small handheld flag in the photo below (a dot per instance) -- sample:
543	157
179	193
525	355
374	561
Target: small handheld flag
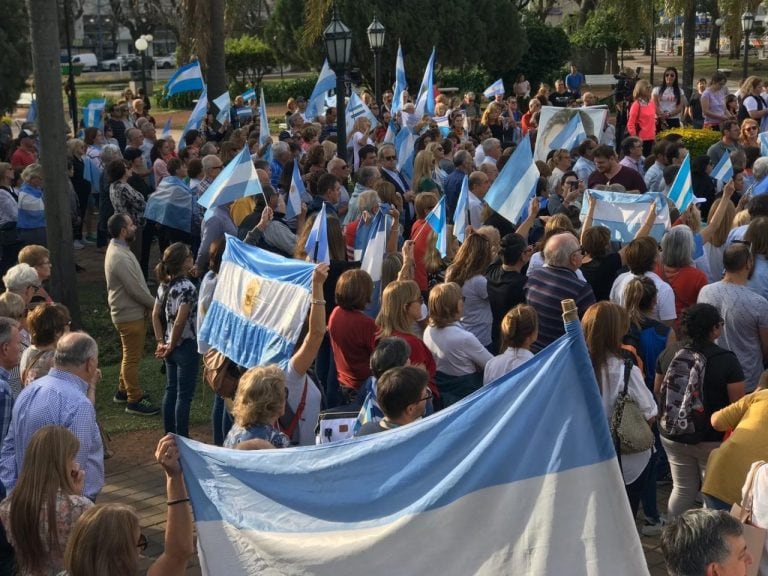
196	117
93	112
516	183
325	82
400	82
188	78
296	192
237	180
425	103
461	215
681	192
723	172
316	246
438	222
166	129
494	89
223	103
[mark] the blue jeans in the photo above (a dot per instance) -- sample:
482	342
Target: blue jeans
181	368
648	499
222	420
715	503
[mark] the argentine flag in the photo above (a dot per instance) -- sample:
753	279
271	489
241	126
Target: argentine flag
401	83
570	135
186	79
376	247
389	136
443	124
223	103
461	215
237	180
171	204
296	192
494	89
259	306
405	142
196	117
248	95
425	103
723	172
316	246
264	134
92	113
763	137
166	130
681	192
516	183
356	108
325	82
624	214
438	222
519	478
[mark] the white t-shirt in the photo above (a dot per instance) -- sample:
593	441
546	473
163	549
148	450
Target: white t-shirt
612	378
477	316
752	105
504	363
294	382
760	509
668	102
457	352
665	299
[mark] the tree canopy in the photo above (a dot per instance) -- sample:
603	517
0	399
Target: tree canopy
16	64
247	59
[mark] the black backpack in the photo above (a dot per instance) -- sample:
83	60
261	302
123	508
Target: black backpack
743	113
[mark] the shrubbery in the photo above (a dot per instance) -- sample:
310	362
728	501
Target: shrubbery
696	141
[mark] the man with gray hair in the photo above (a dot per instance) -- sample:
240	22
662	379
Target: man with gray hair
705	542
281	153
10	354
463	164
554	282
23	280
64	397
491	151
367	177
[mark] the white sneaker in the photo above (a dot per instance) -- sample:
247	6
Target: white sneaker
78	245
86	242
653	528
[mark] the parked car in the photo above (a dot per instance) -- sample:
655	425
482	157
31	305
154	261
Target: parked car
86	61
125	62
166	61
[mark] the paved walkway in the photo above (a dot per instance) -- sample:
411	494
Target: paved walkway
143	487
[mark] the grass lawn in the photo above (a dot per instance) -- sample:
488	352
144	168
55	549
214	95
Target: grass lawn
96	320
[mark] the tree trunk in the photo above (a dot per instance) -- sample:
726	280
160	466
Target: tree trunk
689	44
44	27
217	80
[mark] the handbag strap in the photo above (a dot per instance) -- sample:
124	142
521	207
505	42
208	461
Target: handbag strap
299	412
616	441
746	501
627	371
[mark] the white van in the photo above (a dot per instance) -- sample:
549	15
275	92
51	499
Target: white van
88	60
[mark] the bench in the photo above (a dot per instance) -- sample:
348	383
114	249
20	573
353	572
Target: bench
600	80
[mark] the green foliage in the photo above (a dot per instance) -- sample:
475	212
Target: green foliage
281	91
472	79
696	141
603	29
16	63
182	101
286	27
548	52
247	59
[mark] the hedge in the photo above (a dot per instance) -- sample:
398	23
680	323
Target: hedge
697	141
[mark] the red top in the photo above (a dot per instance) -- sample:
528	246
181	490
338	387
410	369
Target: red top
420	356
353	338
686	283
644	117
350	231
419	251
21	158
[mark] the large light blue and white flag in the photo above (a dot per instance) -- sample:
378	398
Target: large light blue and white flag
93	113
376	247
166	130
356	108
494	89
438	221
237	180
196	117
264	134
763	137
624	214
408	120
248	95
325	82
681	192
171	204
259	305
295	193
535	488
92	173
405	142
723	172
188	78
461	215
223	103
570	135
516	183
400	82
443	124
425	103
316	245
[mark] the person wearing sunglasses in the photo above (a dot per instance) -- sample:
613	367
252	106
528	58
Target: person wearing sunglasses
752	104
669	99
749	130
402	394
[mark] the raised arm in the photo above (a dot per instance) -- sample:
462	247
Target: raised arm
533	212
307	352
718	215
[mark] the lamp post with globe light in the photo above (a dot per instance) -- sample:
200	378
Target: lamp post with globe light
142	44
338	45
747	20
376	34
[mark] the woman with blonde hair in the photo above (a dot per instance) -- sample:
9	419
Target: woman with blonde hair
642	116
438	174
519	330
492	119
39	258
361	132
715	233
173	321
468	271
459	356
605	325
40	513
107	538
748	133
259	402
424	166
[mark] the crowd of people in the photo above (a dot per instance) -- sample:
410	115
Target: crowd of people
437	328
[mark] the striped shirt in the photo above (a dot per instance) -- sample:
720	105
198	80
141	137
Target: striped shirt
6	402
545	289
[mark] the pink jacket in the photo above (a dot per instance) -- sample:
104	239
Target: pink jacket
642	115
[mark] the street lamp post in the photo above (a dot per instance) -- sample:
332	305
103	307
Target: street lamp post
718	25
71	90
747	20
338	45
376	40
141	45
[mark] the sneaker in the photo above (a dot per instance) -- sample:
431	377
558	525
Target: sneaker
653	528
88	240
78	245
120	397
143	408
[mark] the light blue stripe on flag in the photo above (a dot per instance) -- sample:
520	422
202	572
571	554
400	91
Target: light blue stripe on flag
259	305
295	193
494	89
570	135
196	117
237	180
93	112
443	124
425	103
188	78
325	82
166	130
681	192
316	246
461	215
723	172
624	214
438	222
248	95
353	506
373	258
223	103
763	137
516	183
171	204
404	144
356	108
264	134
401	83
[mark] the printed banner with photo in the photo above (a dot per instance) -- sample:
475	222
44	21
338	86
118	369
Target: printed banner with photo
554	120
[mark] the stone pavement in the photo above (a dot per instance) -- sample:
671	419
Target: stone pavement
143	487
